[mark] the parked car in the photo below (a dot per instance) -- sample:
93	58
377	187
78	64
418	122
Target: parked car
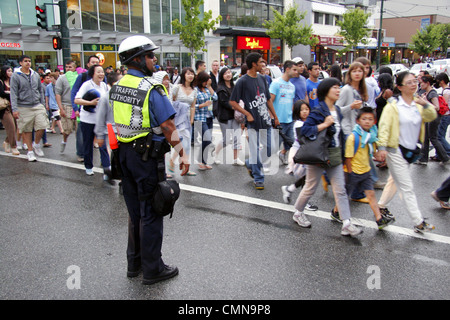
442	65
396	68
415	69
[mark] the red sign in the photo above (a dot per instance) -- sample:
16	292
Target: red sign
253	43
331	41
10	44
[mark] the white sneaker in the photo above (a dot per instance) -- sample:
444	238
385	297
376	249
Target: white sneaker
301	219
238	162
350	230
19	145
286	194
31	156
62	148
37	149
90	172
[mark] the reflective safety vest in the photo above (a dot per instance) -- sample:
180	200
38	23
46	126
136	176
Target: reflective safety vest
130	103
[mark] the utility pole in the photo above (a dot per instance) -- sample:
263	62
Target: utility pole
65	34
379	34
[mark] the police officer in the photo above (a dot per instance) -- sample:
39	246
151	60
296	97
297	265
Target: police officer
142	110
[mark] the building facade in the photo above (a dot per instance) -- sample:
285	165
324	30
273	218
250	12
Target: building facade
98	26
399	51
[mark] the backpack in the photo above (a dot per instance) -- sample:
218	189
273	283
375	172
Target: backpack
443	105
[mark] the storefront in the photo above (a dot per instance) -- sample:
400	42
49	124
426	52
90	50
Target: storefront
11	50
238	43
106	53
326	50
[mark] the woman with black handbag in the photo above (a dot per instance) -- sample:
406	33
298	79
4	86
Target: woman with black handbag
327	117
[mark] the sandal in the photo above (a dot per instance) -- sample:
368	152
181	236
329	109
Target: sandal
191	173
204	167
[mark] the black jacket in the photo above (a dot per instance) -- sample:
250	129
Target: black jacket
225	110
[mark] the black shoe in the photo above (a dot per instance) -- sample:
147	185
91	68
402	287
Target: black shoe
133	274
335	216
384	222
167	273
386	213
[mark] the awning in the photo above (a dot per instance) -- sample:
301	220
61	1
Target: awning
240	31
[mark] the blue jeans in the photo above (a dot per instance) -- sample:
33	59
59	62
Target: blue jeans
207	128
442	131
258	156
288	130
88	147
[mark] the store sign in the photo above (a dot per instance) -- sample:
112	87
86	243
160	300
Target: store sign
253	43
331	41
10	45
99	47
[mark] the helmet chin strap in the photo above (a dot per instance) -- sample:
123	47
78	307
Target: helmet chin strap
143	66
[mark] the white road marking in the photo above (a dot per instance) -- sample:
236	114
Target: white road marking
261	202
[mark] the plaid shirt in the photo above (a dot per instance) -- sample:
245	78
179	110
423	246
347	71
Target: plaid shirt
202	113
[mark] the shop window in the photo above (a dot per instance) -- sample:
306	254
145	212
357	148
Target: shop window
9	12
10	58
46	59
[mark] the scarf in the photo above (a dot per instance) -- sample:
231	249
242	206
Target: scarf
367	137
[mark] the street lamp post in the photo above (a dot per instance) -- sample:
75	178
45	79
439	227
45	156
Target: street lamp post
379	34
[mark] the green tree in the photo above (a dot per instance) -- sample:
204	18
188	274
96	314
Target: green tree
353	28
287	27
192	31
444	31
427	40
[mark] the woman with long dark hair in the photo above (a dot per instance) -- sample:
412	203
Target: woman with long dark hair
203	114
9	145
401	126
231	129
185	92
327	116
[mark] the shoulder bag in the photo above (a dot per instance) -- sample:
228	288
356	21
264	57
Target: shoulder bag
4	103
314	152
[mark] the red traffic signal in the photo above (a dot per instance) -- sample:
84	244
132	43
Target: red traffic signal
42	17
56	43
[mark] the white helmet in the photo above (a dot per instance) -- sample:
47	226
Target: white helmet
135	46
297	59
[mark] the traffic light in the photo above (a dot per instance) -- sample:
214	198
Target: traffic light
42	17
56	43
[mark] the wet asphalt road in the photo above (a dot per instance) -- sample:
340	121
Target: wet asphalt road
64	234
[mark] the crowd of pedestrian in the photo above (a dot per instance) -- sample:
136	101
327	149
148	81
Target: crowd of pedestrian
371	125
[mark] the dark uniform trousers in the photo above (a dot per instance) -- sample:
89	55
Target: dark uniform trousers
145	228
